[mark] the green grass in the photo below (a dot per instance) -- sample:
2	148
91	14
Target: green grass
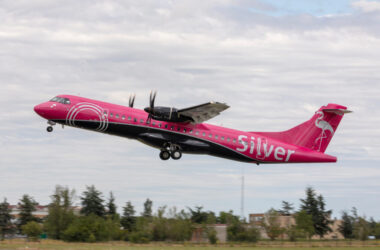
51	244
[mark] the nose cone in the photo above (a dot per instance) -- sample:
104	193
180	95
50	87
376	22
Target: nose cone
41	109
147	109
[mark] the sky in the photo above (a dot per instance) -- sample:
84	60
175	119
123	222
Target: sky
274	62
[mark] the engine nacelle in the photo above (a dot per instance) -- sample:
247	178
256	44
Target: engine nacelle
168	114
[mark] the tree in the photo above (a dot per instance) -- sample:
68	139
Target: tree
304	224
361	228
5	218
128	220
226	217
272	225
32	229
147	209
287	208
27	206
200	217
92	202
61	214
111	207
315	206
377	230
347	226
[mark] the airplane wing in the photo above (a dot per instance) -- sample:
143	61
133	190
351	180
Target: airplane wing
203	112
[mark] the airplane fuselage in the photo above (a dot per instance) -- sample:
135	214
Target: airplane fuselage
201	138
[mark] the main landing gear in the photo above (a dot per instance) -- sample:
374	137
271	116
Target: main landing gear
171	150
50	127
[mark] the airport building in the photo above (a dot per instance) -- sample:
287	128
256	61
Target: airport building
40	211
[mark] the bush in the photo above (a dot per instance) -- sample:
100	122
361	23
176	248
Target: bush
32	229
139	237
211	235
92	228
239	232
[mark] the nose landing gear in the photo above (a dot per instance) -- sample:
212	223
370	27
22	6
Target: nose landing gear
170	150
50	127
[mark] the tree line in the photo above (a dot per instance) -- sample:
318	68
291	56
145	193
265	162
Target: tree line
99	220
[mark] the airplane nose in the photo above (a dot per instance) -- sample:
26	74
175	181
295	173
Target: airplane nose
40	109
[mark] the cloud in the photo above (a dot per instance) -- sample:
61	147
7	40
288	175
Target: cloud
366	6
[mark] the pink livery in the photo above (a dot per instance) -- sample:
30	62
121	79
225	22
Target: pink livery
176	131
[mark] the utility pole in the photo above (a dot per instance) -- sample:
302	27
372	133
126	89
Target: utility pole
242	196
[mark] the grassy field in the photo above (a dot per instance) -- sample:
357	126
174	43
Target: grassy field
52	244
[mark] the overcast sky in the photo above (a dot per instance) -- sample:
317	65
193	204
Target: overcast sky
274	62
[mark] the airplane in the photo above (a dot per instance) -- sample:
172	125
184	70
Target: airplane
175	131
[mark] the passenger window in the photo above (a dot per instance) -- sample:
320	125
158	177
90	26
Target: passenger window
197	132
204	134
135	119
129	118
216	137
166	125
228	139
141	120
184	130
123	117
222	137
234	140
117	115
178	129
105	112
159	125
172	127
111	114
153	123
191	131
210	135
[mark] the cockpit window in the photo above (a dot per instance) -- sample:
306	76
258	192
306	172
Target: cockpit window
61	100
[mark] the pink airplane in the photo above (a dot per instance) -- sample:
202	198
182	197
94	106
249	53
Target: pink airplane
176	131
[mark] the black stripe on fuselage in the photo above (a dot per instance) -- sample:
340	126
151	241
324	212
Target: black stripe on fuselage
133	131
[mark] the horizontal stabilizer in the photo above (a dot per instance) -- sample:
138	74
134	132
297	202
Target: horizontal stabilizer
337	111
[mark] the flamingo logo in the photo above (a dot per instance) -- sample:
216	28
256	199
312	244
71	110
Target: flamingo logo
324	125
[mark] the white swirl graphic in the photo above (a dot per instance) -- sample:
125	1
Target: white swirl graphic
86	106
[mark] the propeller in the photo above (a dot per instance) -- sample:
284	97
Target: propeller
150	109
132	100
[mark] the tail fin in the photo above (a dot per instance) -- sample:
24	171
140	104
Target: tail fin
315	133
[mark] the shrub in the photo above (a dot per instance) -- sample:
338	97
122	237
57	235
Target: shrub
211	235
139	237
32	229
92	228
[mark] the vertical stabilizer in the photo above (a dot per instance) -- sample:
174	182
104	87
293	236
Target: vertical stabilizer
315	133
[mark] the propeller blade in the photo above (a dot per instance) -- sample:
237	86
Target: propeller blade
132	100
150	109
152	99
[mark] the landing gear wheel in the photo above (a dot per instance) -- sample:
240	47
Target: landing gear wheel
164	155
176	154
49	129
